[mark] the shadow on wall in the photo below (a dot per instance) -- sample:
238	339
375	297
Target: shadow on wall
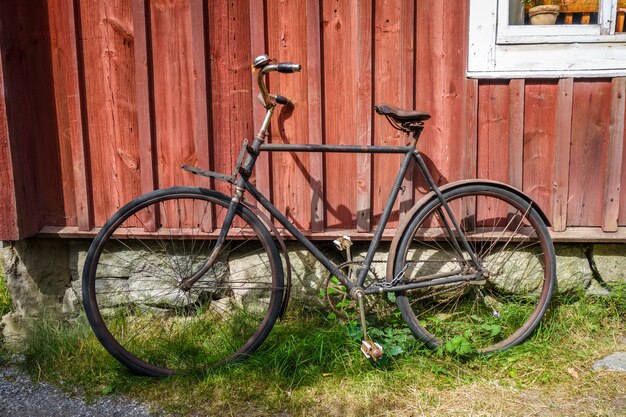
27	66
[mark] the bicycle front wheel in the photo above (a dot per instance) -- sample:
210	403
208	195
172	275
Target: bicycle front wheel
513	248
133	272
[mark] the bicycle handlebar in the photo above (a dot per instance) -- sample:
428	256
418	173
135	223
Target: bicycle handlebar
286	67
262	63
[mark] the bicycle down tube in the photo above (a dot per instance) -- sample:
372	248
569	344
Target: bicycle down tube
407	150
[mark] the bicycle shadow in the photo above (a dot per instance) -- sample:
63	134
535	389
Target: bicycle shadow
346	218
317	186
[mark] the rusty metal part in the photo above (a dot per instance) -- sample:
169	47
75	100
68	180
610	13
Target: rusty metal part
371	349
341	311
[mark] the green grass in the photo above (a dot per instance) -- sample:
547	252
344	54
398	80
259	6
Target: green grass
5	307
5	299
312	366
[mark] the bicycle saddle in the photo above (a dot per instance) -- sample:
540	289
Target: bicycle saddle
401	115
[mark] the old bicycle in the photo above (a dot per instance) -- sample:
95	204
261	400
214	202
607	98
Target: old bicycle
187	277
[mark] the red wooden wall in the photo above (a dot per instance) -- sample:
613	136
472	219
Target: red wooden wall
101	101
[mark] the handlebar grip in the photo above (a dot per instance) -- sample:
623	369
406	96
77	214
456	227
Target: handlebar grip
282	100
286	67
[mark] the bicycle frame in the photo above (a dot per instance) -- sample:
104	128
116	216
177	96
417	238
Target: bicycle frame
242	183
241	180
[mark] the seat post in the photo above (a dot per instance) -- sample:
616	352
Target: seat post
415	133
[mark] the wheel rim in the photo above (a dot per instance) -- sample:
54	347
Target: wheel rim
488	315
147	321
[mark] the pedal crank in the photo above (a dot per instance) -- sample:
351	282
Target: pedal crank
369	348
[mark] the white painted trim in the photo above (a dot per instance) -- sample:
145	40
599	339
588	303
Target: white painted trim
523	52
482	35
546	74
589	37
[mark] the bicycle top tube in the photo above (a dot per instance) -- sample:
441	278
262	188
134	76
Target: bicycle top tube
275	147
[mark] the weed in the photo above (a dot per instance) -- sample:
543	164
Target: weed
5	298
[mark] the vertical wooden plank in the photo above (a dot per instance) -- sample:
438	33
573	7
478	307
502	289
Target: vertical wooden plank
200	94
539	132
588	160
493	142
614	167
9	223
231	108
363	137
144	89
174	96
562	140
314	88
470	147
258	46
76	189
493	130
31	115
622	210
199	88
107	45
441	87
178	96
291	187
429	90
340	109
469	164
393	75
516	133
61	25
221	155
407	86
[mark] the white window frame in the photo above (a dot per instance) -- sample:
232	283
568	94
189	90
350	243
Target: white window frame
500	50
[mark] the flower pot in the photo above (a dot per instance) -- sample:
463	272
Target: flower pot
544	15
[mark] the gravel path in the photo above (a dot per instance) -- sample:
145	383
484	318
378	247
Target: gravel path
19	397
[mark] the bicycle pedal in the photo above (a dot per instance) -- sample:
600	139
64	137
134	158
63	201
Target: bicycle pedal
371	349
342	243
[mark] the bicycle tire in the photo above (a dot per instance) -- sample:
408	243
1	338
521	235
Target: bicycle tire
512	244
136	262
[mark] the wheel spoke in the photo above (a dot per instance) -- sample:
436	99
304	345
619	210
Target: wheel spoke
495	310
140	313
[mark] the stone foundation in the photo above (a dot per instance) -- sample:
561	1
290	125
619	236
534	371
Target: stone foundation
44	275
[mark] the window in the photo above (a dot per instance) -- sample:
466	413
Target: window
587	40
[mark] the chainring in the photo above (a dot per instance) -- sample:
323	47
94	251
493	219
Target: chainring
340	302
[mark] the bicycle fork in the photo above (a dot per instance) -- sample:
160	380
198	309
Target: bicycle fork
187	283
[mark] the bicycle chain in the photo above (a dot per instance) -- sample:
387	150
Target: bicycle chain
400	277
441	291
397	279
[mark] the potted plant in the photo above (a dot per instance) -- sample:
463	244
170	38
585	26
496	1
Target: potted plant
542	12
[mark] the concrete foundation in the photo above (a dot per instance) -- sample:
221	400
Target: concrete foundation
44	276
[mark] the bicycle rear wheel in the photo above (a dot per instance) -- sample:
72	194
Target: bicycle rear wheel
513	247
134	268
